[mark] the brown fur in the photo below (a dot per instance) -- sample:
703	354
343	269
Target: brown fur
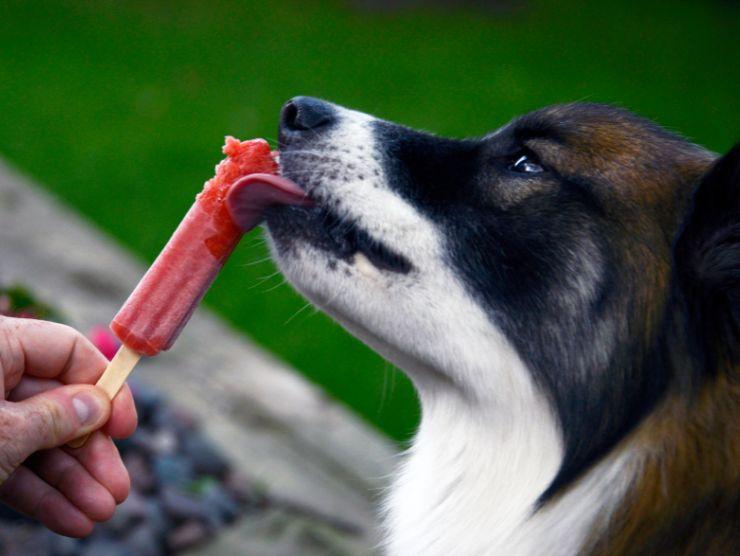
686	499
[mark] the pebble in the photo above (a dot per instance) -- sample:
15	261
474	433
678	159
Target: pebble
206	459
63	546
142	541
174	470
104	547
185	419
147	401
156	517
142	477
218	506
186	535
21	540
164	442
183	490
243	489
131	511
180	506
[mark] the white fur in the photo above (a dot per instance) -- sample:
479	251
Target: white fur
489	443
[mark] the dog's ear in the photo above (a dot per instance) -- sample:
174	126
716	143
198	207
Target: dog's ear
707	256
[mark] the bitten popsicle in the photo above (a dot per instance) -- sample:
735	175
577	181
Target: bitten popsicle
161	304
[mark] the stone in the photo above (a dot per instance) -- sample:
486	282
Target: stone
179	506
164	418
219	507
140	472
131	511
186	536
147	401
141	441
186	420
157	518
23	539
243	489
207	460
164	442
143	541
172	470
103	547
63	546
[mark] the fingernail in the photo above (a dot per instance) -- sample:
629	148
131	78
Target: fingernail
87	408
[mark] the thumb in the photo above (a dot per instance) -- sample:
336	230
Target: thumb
55	417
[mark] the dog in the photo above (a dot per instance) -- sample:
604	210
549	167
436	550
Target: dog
564	293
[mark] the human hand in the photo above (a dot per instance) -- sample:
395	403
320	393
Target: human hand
48	370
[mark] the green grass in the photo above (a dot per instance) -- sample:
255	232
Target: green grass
119	108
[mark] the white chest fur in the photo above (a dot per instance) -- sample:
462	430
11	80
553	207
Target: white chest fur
472	477
470	482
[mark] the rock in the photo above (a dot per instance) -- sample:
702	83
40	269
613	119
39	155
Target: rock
207	460
164	442
164	418
24	540
131	511
218	506
172	470
104	547
179	506
143	541
140	471
185	419
156	518
243	489
142	442
147	401
186	535
63	546
8	514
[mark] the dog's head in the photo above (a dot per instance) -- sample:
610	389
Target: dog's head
546	245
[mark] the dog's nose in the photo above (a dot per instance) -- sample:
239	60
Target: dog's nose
302	114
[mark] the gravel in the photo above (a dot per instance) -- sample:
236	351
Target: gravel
183	491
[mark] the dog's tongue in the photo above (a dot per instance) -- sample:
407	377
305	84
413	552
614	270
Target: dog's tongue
250	196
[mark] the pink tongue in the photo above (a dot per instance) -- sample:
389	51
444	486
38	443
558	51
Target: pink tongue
248	198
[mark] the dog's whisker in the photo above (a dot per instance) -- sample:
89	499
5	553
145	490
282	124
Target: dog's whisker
276	286
298	312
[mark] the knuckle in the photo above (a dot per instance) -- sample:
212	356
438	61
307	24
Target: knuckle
12	357
46	423
11	451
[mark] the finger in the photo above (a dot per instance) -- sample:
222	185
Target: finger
66	474
47	350
102	460
30	386
123	418
49	419
25	492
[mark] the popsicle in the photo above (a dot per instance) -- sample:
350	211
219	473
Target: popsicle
162	303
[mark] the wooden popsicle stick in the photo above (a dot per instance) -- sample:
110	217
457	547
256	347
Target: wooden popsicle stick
112	380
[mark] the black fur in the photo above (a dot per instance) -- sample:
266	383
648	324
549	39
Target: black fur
539	254
708	263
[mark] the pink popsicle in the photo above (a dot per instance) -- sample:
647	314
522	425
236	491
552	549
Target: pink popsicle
165	298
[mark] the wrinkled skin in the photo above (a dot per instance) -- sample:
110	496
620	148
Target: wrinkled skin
43	365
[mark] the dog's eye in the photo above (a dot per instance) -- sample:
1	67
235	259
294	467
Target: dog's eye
525	164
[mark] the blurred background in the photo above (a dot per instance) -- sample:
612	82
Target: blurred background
120	108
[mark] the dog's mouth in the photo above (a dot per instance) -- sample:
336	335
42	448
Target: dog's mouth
292	214
348	239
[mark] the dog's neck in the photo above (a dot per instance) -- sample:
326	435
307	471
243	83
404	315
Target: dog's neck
472	476
483	456
472	480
